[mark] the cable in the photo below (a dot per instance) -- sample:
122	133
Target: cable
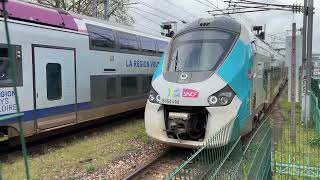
204	3
151	29
171	3
166	19
211	5
163	12
146	17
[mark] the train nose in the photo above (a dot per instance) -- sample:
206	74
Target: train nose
190	126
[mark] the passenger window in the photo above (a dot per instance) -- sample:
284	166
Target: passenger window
5	76
4	65
111	88
148	44
128	41
162	46
100	38
129	86
54	83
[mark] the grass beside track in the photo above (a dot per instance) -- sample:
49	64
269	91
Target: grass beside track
82	154
301	152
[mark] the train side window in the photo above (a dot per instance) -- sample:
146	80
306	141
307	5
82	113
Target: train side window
5	76
128	41
162	46
111	88
129	86
101	38
148	44
54	83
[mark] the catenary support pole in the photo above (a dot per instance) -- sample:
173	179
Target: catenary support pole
304	59
309	64
106	9
293	84
95	8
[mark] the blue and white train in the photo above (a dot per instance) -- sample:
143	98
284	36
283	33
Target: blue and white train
72	69
214	72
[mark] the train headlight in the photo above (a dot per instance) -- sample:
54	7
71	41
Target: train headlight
154	97
158	98
213	100
151	97
222	98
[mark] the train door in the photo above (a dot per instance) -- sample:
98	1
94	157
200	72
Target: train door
54	83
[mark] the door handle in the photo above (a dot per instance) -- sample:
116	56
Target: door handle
37	95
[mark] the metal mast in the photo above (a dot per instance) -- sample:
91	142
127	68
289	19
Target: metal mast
106	9
95	8
308	62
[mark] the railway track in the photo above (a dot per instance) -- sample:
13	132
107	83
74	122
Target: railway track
160	166
53	138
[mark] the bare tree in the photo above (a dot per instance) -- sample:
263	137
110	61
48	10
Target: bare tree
118	8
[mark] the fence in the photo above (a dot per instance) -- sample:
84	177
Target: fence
212	159
299	157
231	161
269	153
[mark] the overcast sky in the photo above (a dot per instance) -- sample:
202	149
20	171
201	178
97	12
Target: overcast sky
189	10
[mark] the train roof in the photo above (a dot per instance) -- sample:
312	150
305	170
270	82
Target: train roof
232	25
224	23
34	13
108	24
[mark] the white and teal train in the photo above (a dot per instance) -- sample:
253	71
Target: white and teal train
214	72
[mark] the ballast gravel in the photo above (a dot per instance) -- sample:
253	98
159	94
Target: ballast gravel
138	155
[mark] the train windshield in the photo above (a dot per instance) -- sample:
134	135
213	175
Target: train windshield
200	50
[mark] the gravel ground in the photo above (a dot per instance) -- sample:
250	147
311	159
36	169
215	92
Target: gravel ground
109	152
128	162
167	164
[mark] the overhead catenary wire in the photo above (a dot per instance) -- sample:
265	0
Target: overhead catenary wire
146	17
246	6
205	4
156	15
151	29
211	5
179	7
163	12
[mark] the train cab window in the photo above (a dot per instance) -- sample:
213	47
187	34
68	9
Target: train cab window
200	50
101	38
129	86
162	46
148	44
111	88
128	41
54	83
5	76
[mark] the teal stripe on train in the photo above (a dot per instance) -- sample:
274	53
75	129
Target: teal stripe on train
235	71
158	71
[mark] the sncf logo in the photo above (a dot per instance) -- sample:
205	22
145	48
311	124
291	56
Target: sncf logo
190	93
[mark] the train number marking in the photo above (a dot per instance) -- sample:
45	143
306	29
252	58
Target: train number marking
170	101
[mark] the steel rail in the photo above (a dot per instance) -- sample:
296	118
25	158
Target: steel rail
138	172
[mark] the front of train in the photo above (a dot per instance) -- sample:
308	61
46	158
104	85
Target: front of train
201	84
